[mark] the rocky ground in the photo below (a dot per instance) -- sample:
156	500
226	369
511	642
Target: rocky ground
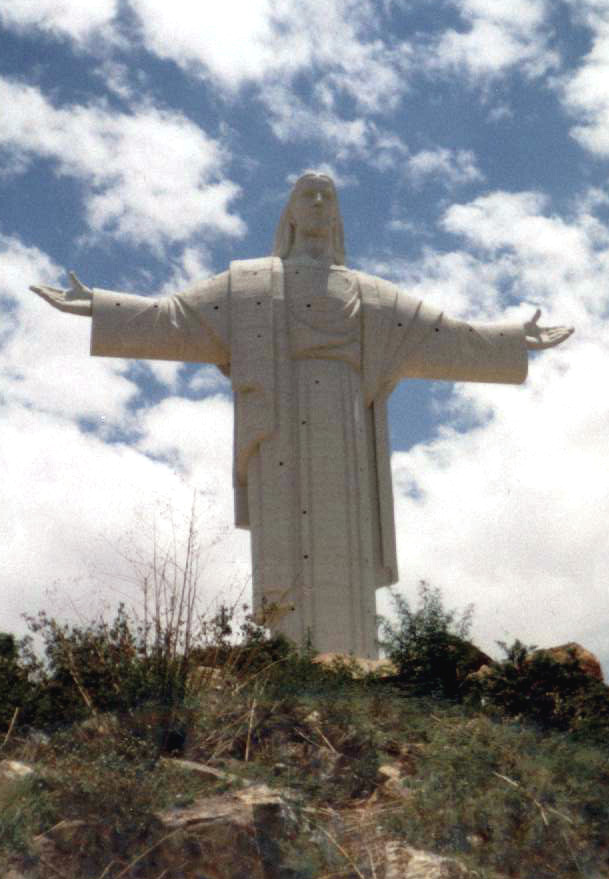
245	832
341	774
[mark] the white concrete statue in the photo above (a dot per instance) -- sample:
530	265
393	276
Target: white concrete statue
313	350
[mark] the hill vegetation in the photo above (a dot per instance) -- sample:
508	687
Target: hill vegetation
113	734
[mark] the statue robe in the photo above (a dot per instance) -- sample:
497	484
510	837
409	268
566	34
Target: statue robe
311	375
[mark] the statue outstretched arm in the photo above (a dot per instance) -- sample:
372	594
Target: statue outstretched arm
190	326
434	346
425	343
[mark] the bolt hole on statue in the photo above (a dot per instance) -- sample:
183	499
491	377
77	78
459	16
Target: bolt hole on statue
313	350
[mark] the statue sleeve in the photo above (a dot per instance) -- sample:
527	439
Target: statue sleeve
192	326
426	344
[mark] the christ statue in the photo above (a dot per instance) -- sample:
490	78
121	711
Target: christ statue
313	350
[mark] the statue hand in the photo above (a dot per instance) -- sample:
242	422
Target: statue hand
77	300
544	337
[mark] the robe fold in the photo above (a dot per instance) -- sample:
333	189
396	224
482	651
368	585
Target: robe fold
311	379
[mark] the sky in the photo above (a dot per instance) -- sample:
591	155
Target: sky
145	144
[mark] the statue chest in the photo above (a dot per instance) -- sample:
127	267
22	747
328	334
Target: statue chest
324	300
323	314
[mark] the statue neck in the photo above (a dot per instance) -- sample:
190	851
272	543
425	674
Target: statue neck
315	247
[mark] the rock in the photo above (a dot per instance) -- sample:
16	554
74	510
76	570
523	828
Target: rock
389	771
564	653
482	674
404	862
358	666
13	770
468	658
393	783
359	836
241	835
200	768
228	836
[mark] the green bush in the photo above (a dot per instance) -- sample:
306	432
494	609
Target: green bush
94	669
430	646
555	695
507	798
254	652
15	687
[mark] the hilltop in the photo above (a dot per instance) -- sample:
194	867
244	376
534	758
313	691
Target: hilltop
257	760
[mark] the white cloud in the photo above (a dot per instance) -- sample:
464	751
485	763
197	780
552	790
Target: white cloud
342	48
186	433
500	112
340	179
374	75
208	379
43	350
524	13
70	495
165	372
511	514
450	167
558	262
457	282
401	225
357	138
73	18
502	34
233	41
194	265
292	118
70	502
586	92
151	176
120	80
267	40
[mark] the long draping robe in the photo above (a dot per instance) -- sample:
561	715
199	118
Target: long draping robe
311	470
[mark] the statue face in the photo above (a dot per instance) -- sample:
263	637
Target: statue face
313	207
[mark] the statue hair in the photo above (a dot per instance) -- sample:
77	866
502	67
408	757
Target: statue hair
284	237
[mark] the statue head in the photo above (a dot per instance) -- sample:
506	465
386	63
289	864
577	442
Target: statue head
284	237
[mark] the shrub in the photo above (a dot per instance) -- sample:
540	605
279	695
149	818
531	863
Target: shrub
430	645
15	688
253	652
556	695
507	798
103	667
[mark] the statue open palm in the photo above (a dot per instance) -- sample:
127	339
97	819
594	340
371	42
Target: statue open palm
77	299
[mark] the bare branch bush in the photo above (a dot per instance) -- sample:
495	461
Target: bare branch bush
167	558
